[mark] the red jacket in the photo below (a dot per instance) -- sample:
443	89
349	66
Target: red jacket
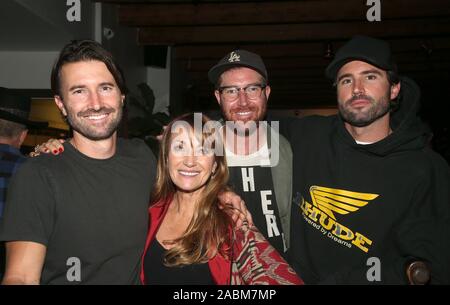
220	267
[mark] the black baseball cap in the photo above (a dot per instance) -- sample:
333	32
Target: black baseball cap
373	51
238	58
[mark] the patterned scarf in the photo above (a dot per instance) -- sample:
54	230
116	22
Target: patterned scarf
256	262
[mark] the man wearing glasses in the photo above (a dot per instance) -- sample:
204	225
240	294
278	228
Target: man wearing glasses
259	159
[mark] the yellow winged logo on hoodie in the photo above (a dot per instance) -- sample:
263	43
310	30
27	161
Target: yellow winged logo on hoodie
339	201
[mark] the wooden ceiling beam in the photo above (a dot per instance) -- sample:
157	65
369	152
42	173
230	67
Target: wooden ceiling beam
319	61
266	50
271	63
315	66
168	1
314	76
292	32
274	74
272	12
297	49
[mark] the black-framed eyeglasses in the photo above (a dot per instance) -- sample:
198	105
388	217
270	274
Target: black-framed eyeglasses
231	93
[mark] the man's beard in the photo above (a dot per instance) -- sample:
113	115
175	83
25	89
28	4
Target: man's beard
246	128
90	131
367	116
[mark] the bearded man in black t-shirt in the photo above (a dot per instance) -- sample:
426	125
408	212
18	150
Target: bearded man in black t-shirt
81	217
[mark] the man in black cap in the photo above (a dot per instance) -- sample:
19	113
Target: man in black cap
259	159
371	199
14	124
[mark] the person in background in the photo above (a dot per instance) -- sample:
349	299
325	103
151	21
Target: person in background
14	124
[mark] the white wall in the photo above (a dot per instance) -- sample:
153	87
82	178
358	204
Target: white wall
22	66
26	70
31	35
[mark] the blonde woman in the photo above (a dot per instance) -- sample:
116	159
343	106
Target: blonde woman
190	239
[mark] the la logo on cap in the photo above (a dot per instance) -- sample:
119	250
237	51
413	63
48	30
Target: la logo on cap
234	57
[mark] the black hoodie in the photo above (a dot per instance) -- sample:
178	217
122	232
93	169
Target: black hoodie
362	212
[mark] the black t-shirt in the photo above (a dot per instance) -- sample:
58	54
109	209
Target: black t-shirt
156	273
90	214
255	186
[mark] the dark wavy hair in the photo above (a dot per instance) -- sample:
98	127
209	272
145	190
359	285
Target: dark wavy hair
85	50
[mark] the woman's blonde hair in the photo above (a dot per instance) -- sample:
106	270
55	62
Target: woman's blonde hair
208	232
